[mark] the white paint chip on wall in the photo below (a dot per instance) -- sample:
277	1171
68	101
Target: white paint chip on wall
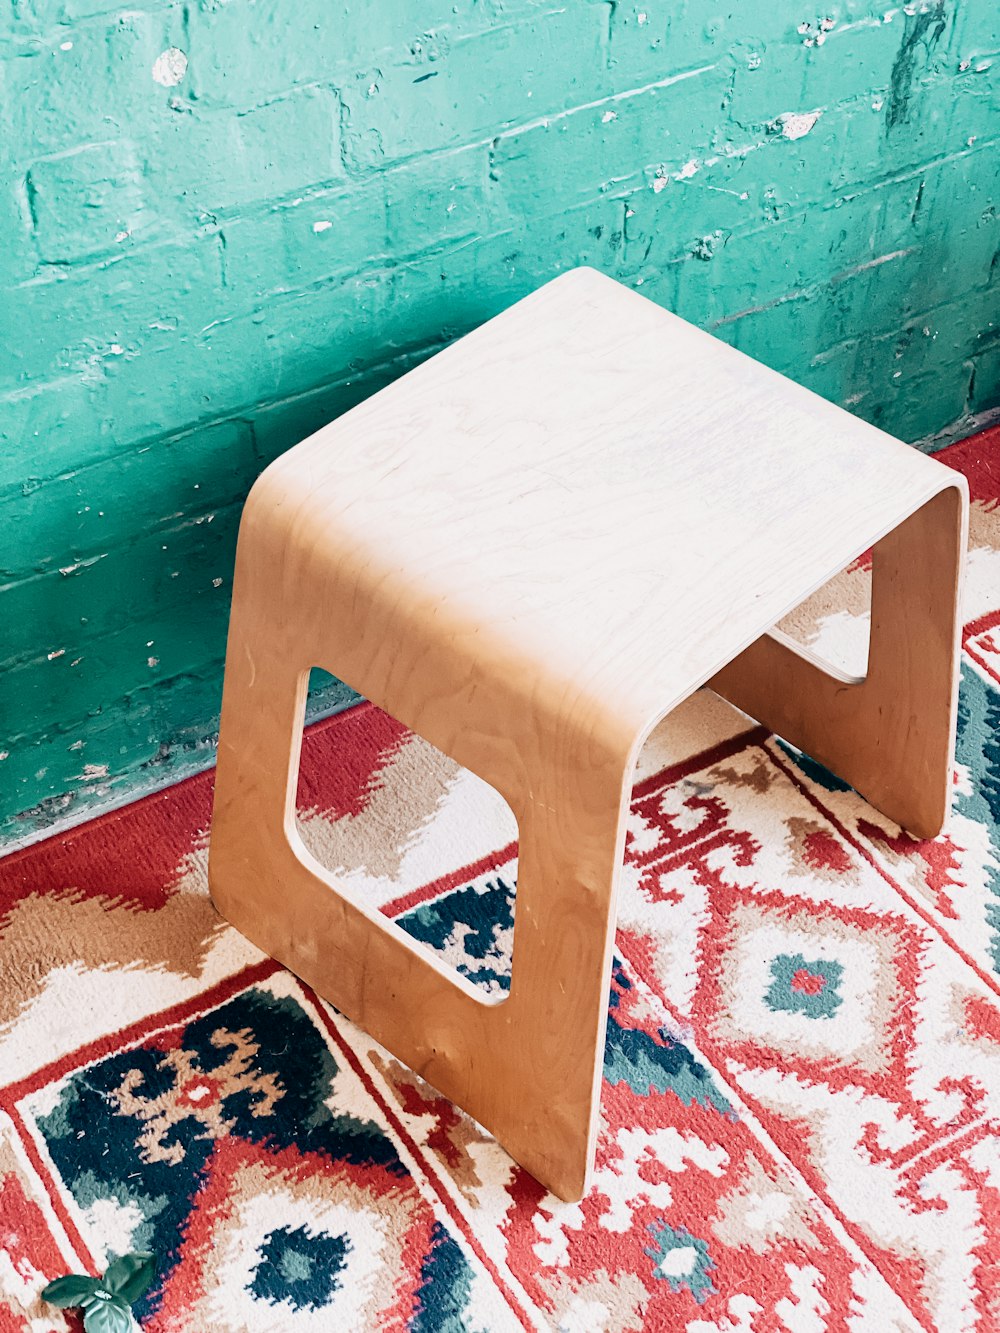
797	124
169	67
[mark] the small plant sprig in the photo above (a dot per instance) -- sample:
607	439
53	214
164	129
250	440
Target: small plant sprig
106	1301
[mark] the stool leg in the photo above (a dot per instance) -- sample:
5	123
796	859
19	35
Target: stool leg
571	853
890	735
260	738
528	1067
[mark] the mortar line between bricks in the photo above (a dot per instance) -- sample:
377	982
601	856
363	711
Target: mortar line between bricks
542	121
219	511
814	288
916	317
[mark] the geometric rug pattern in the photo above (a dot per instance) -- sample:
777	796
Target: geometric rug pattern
800	1113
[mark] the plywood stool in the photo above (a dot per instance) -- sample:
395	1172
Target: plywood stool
529	550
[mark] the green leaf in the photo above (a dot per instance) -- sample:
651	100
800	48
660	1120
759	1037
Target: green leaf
108	1315
69	1291
129	1276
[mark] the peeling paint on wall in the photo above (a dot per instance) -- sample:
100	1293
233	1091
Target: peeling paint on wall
170	67
796	124
923	31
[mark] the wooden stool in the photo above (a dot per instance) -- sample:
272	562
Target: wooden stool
529	550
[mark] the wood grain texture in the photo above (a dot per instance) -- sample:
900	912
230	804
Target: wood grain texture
529	550
891	734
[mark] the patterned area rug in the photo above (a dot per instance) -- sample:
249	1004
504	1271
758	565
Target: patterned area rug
801	1082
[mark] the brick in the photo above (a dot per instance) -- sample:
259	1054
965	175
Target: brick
250	46
958	331
241	45
914	381
570	157
855	61
658	285
97	89
650	39
301	339
83	200
768	80
335	232
166	641
879	298
926	405
236	44
704	196
829	372
913	408
819	167
128	672
212	164
474	86
978	31
74	518
965	242
108	324
39	431
55	613
434	201
46	772
729	274
47	331
777	334
450	294
54	771
287	145
244	359
197	150
883	307
849	148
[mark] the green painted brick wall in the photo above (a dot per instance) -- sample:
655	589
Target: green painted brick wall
223	222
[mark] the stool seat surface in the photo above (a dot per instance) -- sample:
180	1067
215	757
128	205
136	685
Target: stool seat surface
591	483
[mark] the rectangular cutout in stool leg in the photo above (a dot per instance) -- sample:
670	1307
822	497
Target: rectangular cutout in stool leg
891	735
527	1066
422	827
834	625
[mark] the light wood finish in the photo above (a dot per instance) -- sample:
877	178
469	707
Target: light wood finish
891	733
529	550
